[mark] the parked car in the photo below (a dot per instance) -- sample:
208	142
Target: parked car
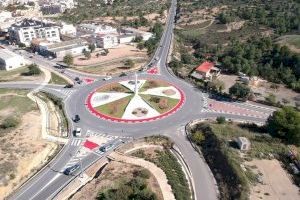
77	132
76	78
69	86
72	169
76	119
107	78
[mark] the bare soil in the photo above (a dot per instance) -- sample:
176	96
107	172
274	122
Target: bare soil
277	184
22	152
113	173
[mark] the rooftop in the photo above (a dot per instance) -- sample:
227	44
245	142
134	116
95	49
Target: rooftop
32	23
205	67
6	54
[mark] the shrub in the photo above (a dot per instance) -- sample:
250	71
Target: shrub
9	123
221	120
155	99
33	70
163	104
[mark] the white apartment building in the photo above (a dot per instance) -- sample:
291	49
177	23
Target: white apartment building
10	60
96	29
28	29
107	40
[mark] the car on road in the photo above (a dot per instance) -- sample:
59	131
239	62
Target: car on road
77	132
69	86
30	56
76	119
107	78
78	80
122	74
106	147
72	169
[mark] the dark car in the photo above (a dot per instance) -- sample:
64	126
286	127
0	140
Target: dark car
77	79
72	169
77	118
123	74
69	86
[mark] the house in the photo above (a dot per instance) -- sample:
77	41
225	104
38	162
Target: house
123	39
74	47
243	143
137	33
107	40
96	29
28	29
10	60
206	71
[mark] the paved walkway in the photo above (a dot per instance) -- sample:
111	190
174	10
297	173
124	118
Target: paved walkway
158	173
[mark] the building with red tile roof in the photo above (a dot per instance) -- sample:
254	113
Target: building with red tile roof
206	71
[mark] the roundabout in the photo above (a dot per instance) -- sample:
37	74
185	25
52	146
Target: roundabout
135	100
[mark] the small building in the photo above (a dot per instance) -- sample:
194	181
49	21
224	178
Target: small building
67	29
127	38
206	71
107	41
96	29
137	33
243	143
74	47
10	60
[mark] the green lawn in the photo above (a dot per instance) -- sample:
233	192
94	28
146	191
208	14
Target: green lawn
114	87
12	74
56	79
116	108
171	103
153	84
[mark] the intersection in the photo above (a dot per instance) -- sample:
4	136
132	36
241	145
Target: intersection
197	105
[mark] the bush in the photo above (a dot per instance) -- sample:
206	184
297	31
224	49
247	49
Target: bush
9	123
33	70
155	99
221	120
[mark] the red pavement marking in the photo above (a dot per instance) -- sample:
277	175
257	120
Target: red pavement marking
153	70
90	145
219	106
88	80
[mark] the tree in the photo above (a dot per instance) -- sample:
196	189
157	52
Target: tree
22	45
240	91
129	63
285	124
68	59
271	99
92	47
138	39
87	54
33	70
140	46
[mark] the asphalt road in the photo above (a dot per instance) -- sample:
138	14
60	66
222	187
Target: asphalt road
50	180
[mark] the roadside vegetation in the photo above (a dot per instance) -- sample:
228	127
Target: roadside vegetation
56	79
165	160
217	144
26	73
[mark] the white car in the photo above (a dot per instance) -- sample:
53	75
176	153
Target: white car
107	78
78	132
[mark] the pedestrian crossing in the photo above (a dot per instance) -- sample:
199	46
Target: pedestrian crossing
76	142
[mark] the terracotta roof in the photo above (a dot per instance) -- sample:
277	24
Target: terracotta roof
205	67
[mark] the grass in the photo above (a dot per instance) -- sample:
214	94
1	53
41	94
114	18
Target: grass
116	108
170	165
153	84
293	40
56	79
13	74
170	103
16	100
225	160
114	87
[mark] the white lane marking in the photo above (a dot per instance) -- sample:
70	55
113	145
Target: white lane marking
51	181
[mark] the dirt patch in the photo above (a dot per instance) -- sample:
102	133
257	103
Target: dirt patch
22	152
169	92
113	174
276	182
233	26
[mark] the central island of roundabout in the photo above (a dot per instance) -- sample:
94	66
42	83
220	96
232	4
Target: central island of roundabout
137	100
